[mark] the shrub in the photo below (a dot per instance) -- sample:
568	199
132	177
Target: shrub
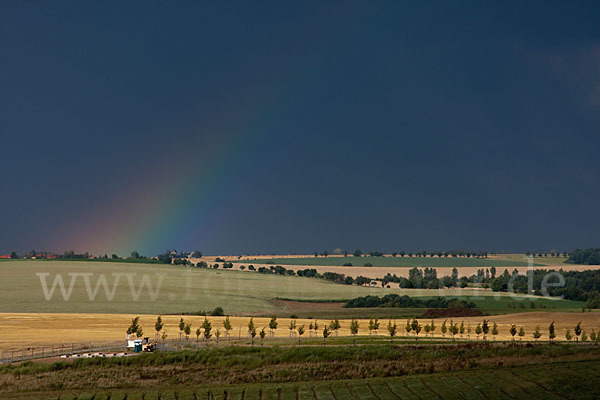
218	312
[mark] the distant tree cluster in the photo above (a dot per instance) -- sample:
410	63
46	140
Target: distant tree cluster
584	257
552	253
423	279
397	301
422	253
578	285
313	273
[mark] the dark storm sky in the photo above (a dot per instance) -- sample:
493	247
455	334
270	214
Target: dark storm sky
236	127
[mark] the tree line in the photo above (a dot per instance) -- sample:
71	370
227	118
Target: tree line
397	301
421	254
412	327
585	257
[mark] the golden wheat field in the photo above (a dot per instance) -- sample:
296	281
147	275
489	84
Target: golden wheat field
26	330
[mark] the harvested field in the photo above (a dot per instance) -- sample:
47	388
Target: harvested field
380	272
394	261
20	330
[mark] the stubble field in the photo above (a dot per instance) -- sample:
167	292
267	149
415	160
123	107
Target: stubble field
20	331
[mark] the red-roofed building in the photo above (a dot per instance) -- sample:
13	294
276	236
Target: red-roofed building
3	256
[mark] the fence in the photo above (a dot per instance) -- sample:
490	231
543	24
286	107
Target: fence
32	353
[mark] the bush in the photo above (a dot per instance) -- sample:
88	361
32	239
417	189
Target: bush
218	312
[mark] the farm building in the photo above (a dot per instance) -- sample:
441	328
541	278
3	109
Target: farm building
4	256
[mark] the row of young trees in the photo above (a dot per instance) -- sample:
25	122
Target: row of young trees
412	327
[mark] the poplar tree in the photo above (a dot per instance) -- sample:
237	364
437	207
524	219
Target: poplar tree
325	334
158	326
577	331
188	331
513	331
551	332
227	326
354	329
301	331
181	328
392	329
486	328
262	335
252	330
444	328
273	325
207	327
537	334
478	330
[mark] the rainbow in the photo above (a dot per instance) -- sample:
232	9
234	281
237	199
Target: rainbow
154	213
160	209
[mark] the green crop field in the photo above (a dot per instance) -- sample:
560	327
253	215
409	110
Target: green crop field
548	382
376	372
395	261
184	289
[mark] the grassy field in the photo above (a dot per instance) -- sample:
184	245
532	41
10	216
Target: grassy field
380	371
396	261
177	289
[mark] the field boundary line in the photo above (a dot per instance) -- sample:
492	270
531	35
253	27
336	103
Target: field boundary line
351	391
481	376
410	390
373	391
524	379
535	375
426	386
444	380
387	385
332	392
483	396
516	383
